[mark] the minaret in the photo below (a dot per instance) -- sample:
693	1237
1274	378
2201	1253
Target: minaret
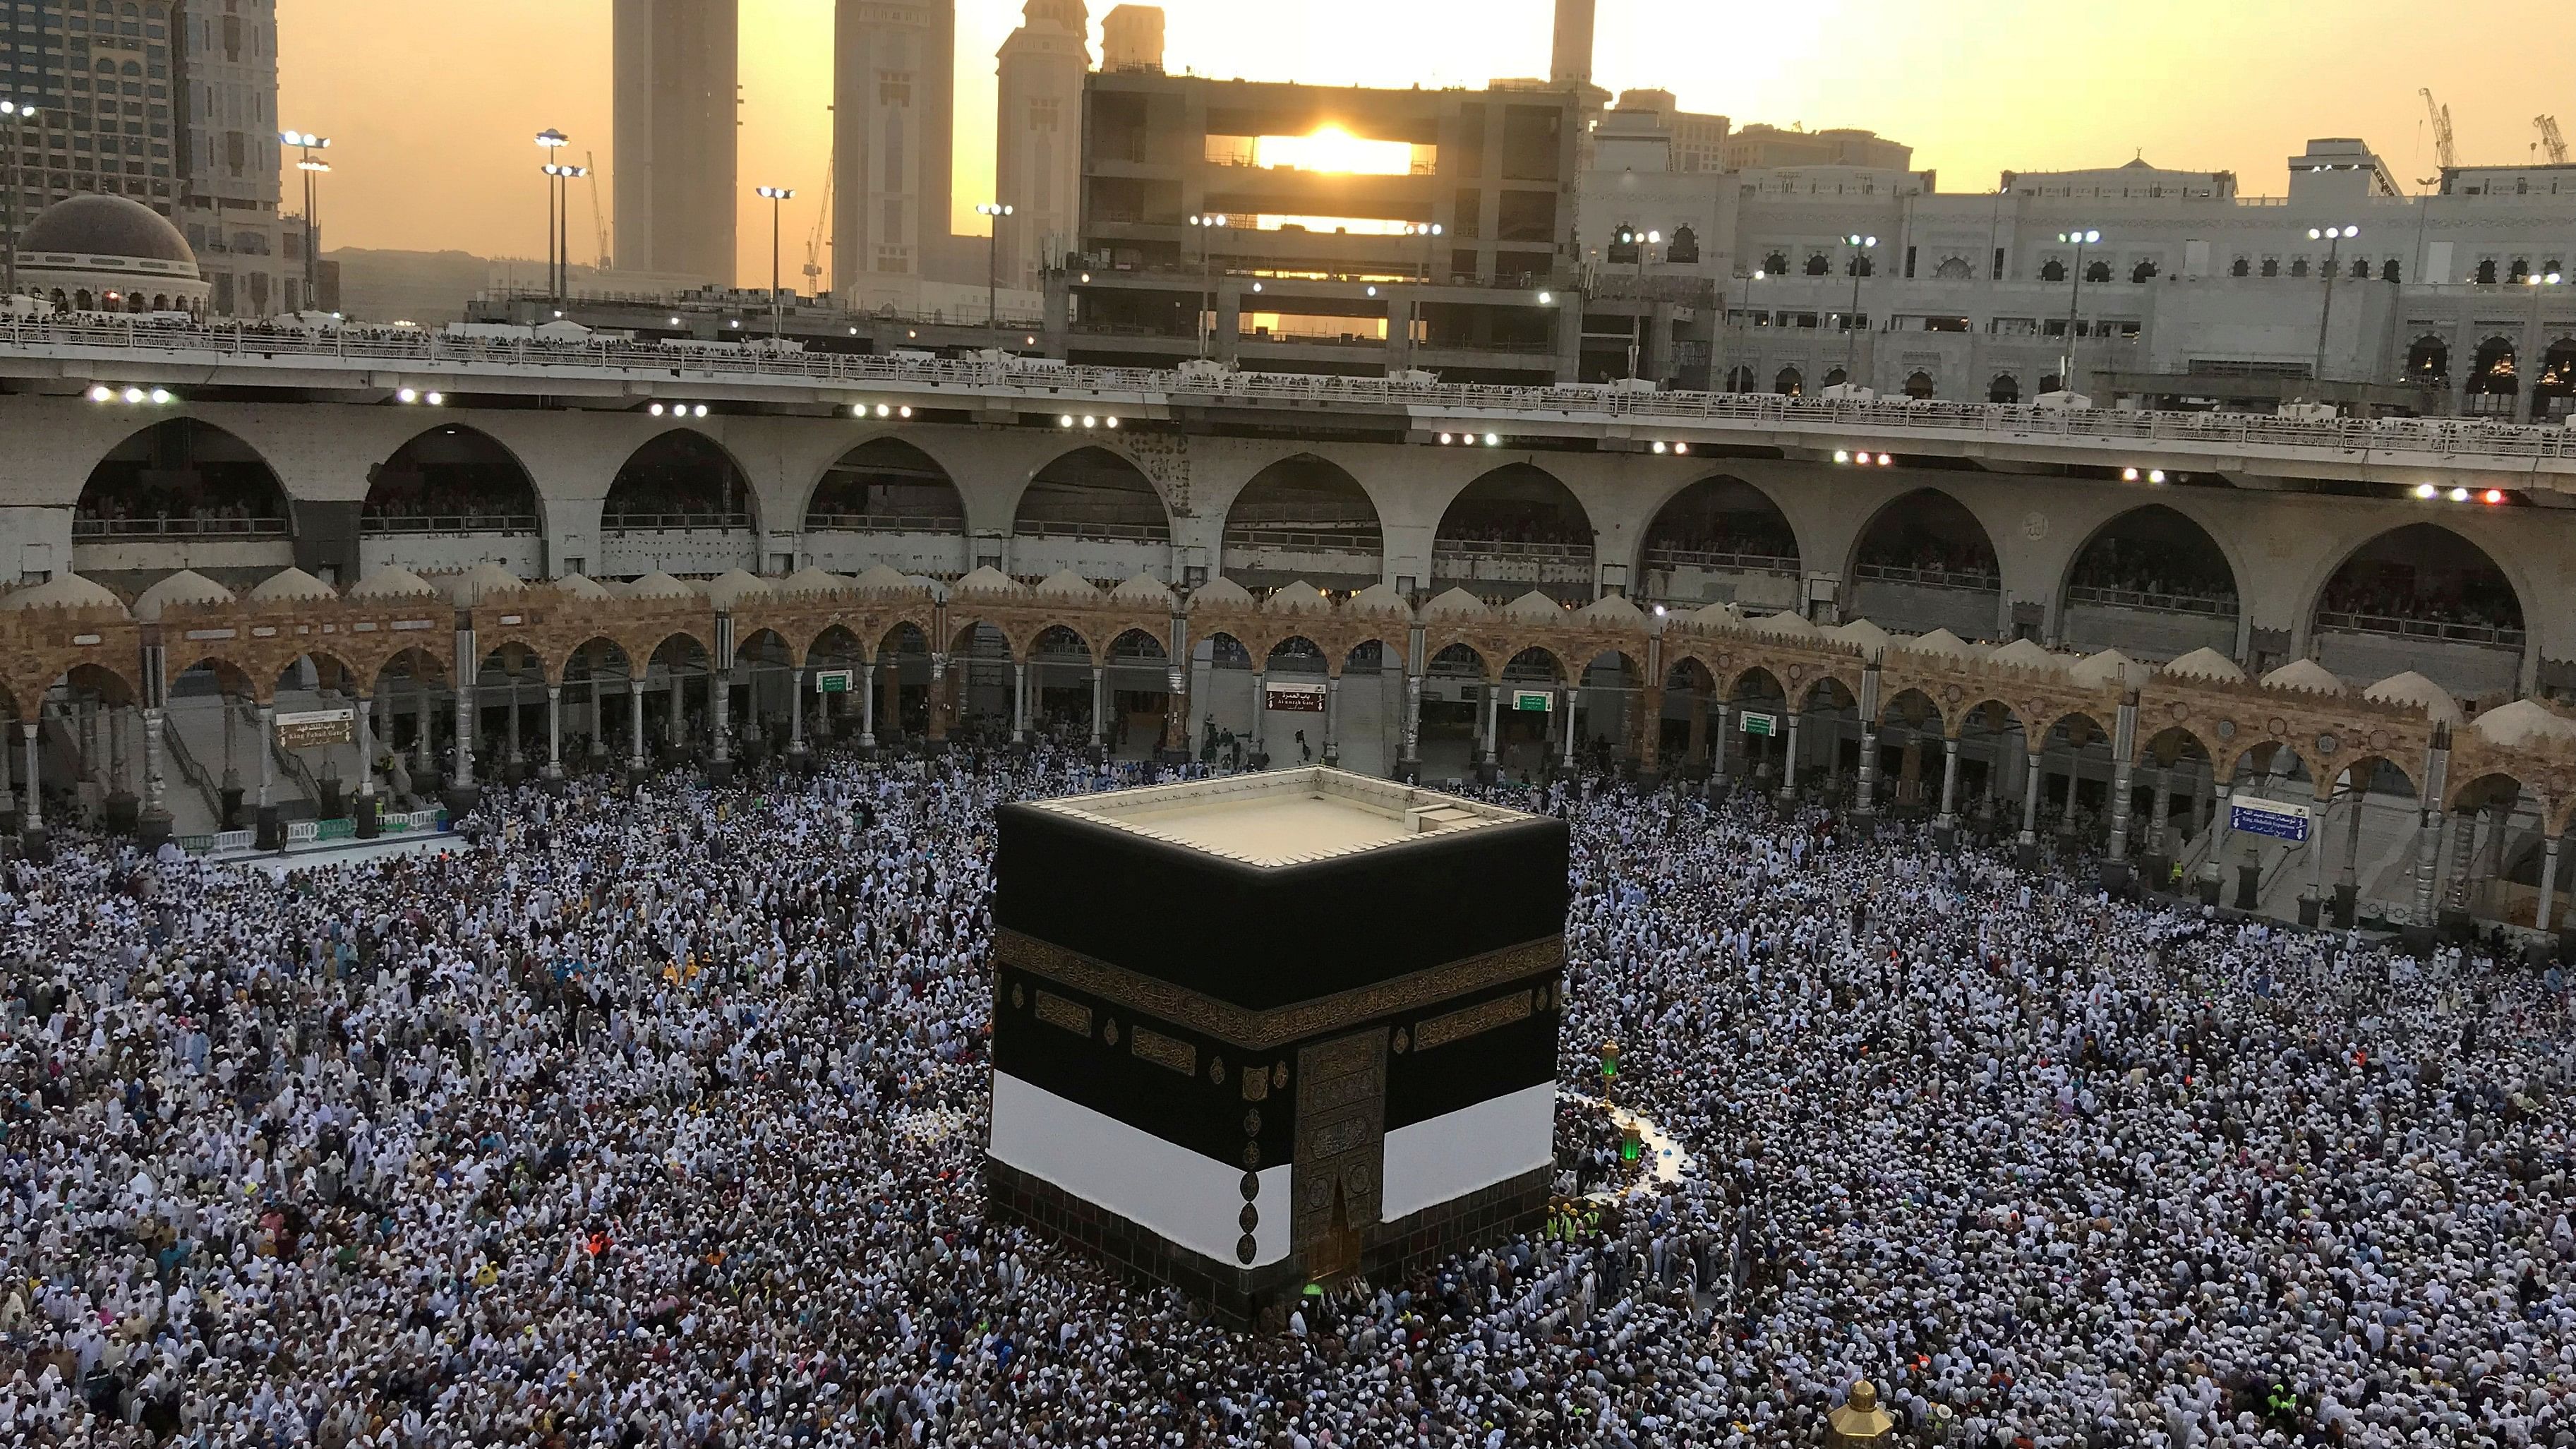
1571	62
1037	164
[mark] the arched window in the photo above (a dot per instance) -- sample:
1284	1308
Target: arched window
1819	265
2390	272
1862	265
2097	271
1919	385
1790	382
2143	272
2052	270
2486	272
1739	379
1777	264
2299	267
2006	388
2271	266
2243	268
2521	268
2429	360
2361	269
1953	269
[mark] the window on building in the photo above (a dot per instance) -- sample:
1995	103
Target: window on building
2486	271
1953	269
2052	270
2143	272
1818	265
2097	271
2389	272
1777	264
2271	266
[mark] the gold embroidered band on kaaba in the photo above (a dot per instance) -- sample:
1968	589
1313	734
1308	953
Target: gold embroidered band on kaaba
1469	1021
1259	1030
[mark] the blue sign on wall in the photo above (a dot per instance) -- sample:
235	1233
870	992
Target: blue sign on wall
2278	819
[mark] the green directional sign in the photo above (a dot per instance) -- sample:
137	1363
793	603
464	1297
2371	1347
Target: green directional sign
831	681
1539	701
1765	725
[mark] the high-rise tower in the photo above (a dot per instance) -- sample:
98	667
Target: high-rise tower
1037	164
675	99
1131	38
1570	63
893	137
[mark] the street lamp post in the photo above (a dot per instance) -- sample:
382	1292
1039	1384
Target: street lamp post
550	141
559	214
2074	303
776	196
2333	237
1861	246
307	143
993	263
1207	222
2535	350
13	114
1631	237
1425	230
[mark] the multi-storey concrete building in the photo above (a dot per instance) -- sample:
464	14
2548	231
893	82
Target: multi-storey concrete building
1302	228
676	96
171	103
1037	163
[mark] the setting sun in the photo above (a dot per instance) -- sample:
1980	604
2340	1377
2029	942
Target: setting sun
1337	150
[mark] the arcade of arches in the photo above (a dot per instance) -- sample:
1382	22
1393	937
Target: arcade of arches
2094	758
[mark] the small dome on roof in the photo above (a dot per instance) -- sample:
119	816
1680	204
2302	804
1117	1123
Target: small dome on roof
1455	603
1297	597
1716	616
2108	667
810	580
2023	654
582	586
478	583
63	591
1611	609
1871	639
384	583
985	580
2304	674
731	587
1221	590
2522	722
288	585
1066	584
659	585
1534	605
1378	599
2205	663
1142	589
184	588
1940	643
2411	688
1787	622
878	578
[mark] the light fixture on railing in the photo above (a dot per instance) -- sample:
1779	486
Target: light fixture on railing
2427	492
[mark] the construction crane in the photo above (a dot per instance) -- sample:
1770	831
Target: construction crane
814	244
2445	150
2552	143
598	223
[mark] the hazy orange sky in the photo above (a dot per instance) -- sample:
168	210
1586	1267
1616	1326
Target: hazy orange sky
432	107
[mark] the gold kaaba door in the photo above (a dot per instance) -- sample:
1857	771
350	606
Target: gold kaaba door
1341	1151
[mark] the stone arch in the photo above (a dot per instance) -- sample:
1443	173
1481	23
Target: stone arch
182	478
885	485
1704	540
2495	370
680	478
1512	529
1093	491
2421	582
452	478
1789	382
1303	516
1919	385
2553	389
1046	630
2157	561
2006	388
1925	560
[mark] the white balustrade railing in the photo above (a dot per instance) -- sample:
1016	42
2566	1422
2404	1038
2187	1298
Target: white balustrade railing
1049	384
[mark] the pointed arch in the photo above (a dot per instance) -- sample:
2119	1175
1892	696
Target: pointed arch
2151	560
679	478
1094	492
1514	528
1304	517
181	478
885	485
451	479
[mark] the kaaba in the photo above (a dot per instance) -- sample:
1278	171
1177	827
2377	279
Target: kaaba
1275	1029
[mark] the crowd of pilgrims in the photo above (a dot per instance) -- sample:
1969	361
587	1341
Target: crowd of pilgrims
653	1120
